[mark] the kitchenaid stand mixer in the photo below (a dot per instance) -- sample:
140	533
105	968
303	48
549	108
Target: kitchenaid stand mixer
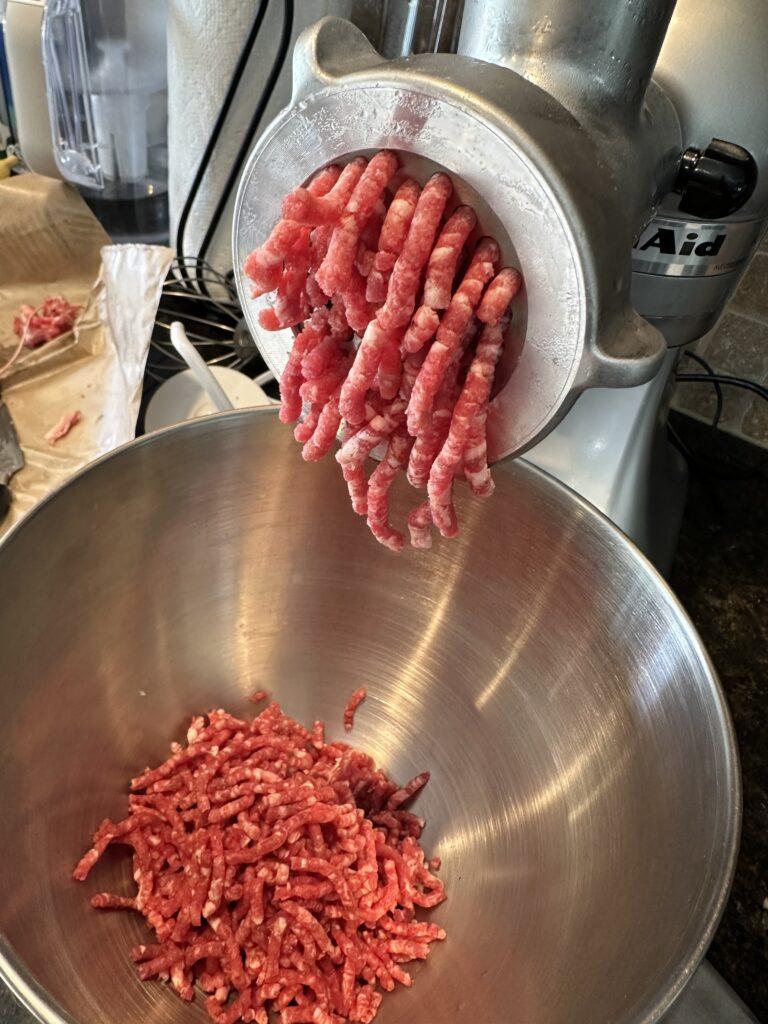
551	127
686	262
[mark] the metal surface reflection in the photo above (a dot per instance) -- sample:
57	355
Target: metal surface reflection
584	792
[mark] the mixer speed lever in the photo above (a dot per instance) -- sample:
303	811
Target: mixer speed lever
717	182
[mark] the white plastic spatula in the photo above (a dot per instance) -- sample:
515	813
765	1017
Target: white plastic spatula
199	367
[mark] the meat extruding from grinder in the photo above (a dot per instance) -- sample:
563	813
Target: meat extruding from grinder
363	251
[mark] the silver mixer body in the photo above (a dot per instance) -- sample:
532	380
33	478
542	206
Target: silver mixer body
612	448
712	67
597	59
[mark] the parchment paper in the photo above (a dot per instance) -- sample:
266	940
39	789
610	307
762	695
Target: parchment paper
50	244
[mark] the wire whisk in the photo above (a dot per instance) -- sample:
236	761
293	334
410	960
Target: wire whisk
211	317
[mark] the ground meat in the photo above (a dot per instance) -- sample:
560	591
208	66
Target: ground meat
63	427
394	231
468	408
382	478
419	522
277	871
53	318
422	329
335	270
352	705
444	260
388	253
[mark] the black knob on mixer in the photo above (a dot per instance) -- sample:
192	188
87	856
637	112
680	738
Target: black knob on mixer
717	182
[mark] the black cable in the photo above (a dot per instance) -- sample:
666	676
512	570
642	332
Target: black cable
274	74
736	470
729	381
718	390
218	125
736	382
679	443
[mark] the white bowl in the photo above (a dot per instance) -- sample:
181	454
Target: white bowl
181	398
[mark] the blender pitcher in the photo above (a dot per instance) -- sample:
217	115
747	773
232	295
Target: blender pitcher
102	64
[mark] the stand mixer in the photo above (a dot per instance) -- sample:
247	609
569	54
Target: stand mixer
686	263
632	204
616	193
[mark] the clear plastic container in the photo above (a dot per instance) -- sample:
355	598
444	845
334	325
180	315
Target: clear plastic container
106	74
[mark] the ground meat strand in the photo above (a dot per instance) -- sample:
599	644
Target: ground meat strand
394	231
63	427
264	266
428	444
324	435
305	207
395	460
476	470
376	340
450	332
445	257
498	295
291	303
336	269
304	430
354	702
406	273
319	359
358	310
419	522
322	388
311	334
378	429
471	401
421	329
369	239
357	485
390	370
298	895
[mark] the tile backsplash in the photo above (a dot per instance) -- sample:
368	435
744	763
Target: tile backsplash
737	346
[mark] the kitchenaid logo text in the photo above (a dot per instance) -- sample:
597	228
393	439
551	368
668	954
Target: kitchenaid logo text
665	241
679	248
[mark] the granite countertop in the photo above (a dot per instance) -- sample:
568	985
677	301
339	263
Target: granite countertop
721	577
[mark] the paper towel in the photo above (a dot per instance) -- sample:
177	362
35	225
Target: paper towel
205	38
127	295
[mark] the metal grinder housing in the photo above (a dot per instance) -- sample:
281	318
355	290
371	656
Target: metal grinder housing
564	166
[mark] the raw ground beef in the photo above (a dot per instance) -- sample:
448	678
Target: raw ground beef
277	872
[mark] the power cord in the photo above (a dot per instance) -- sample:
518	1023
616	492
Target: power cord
253	126
719	378
718	381
710	373
218	126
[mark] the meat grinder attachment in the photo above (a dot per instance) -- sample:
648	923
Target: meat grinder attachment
563	185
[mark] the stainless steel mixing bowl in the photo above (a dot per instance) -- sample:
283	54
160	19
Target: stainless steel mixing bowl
584	793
